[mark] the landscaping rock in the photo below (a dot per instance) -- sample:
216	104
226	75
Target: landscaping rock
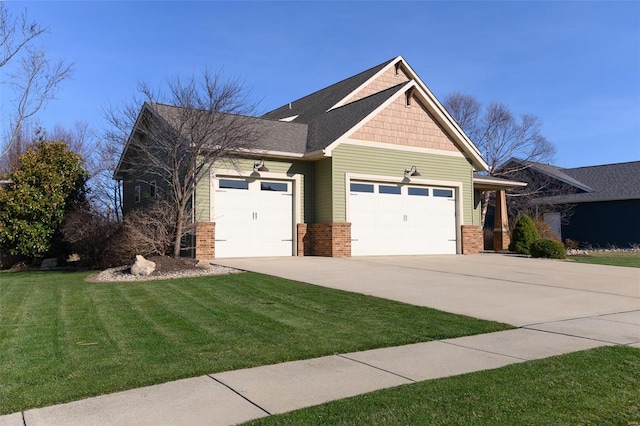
142	266
49	263
203	264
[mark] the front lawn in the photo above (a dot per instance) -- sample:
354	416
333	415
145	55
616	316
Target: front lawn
594	387
64	339
614	258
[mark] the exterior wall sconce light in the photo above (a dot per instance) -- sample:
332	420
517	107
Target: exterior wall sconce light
259	166
411	172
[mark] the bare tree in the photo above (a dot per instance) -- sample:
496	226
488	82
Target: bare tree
107	191
80	139
179	134
500	136
30	75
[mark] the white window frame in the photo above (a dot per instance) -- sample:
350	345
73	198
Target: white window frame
137	194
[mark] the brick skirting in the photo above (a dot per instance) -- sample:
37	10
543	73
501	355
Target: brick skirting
472	240
329	239
205	240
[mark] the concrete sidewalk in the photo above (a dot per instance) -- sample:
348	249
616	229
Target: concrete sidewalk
237	396
560	307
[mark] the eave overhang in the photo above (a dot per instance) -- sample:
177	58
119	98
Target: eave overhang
488	183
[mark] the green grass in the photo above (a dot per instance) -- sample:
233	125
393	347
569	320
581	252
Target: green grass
594	387
63	339
622	258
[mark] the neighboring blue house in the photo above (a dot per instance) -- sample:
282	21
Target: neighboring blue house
605	200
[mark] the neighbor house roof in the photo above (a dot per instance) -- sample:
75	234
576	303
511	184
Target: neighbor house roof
551	171
607	182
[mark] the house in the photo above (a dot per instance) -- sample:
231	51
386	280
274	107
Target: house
596	206
371	165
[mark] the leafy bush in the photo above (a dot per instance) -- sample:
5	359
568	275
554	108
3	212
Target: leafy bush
524	234
547	248
49	181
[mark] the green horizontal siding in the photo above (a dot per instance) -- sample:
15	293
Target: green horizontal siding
203	199
477	210
322	191
391	163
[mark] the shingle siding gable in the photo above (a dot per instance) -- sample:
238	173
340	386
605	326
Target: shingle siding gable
389	78
410	126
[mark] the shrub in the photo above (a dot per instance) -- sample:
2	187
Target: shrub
547	248
545	230
49	181
524	234
96	239
572	244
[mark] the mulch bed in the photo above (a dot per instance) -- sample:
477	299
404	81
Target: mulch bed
166	264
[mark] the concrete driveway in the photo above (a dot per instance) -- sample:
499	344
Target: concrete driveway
506	288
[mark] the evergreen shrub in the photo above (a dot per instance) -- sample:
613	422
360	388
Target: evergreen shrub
524	234
547	248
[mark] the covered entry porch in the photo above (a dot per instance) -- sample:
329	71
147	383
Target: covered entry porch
501	234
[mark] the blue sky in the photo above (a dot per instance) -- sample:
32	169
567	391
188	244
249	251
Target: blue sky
575	65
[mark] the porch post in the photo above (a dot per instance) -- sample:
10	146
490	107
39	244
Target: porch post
501	238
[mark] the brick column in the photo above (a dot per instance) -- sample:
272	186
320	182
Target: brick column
329	239
341	239
205	240
303	240
472	241
501	237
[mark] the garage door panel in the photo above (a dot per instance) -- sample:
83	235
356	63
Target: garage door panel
256	221
412	222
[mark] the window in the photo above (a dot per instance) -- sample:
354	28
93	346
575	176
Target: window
424	192
274	186
136	192
388	189
153	189
361	187
447	193
233	184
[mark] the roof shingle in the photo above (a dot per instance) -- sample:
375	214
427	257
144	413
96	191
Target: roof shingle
316	104
273	135
607	182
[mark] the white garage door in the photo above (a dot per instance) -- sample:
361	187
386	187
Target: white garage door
253	218
389	219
